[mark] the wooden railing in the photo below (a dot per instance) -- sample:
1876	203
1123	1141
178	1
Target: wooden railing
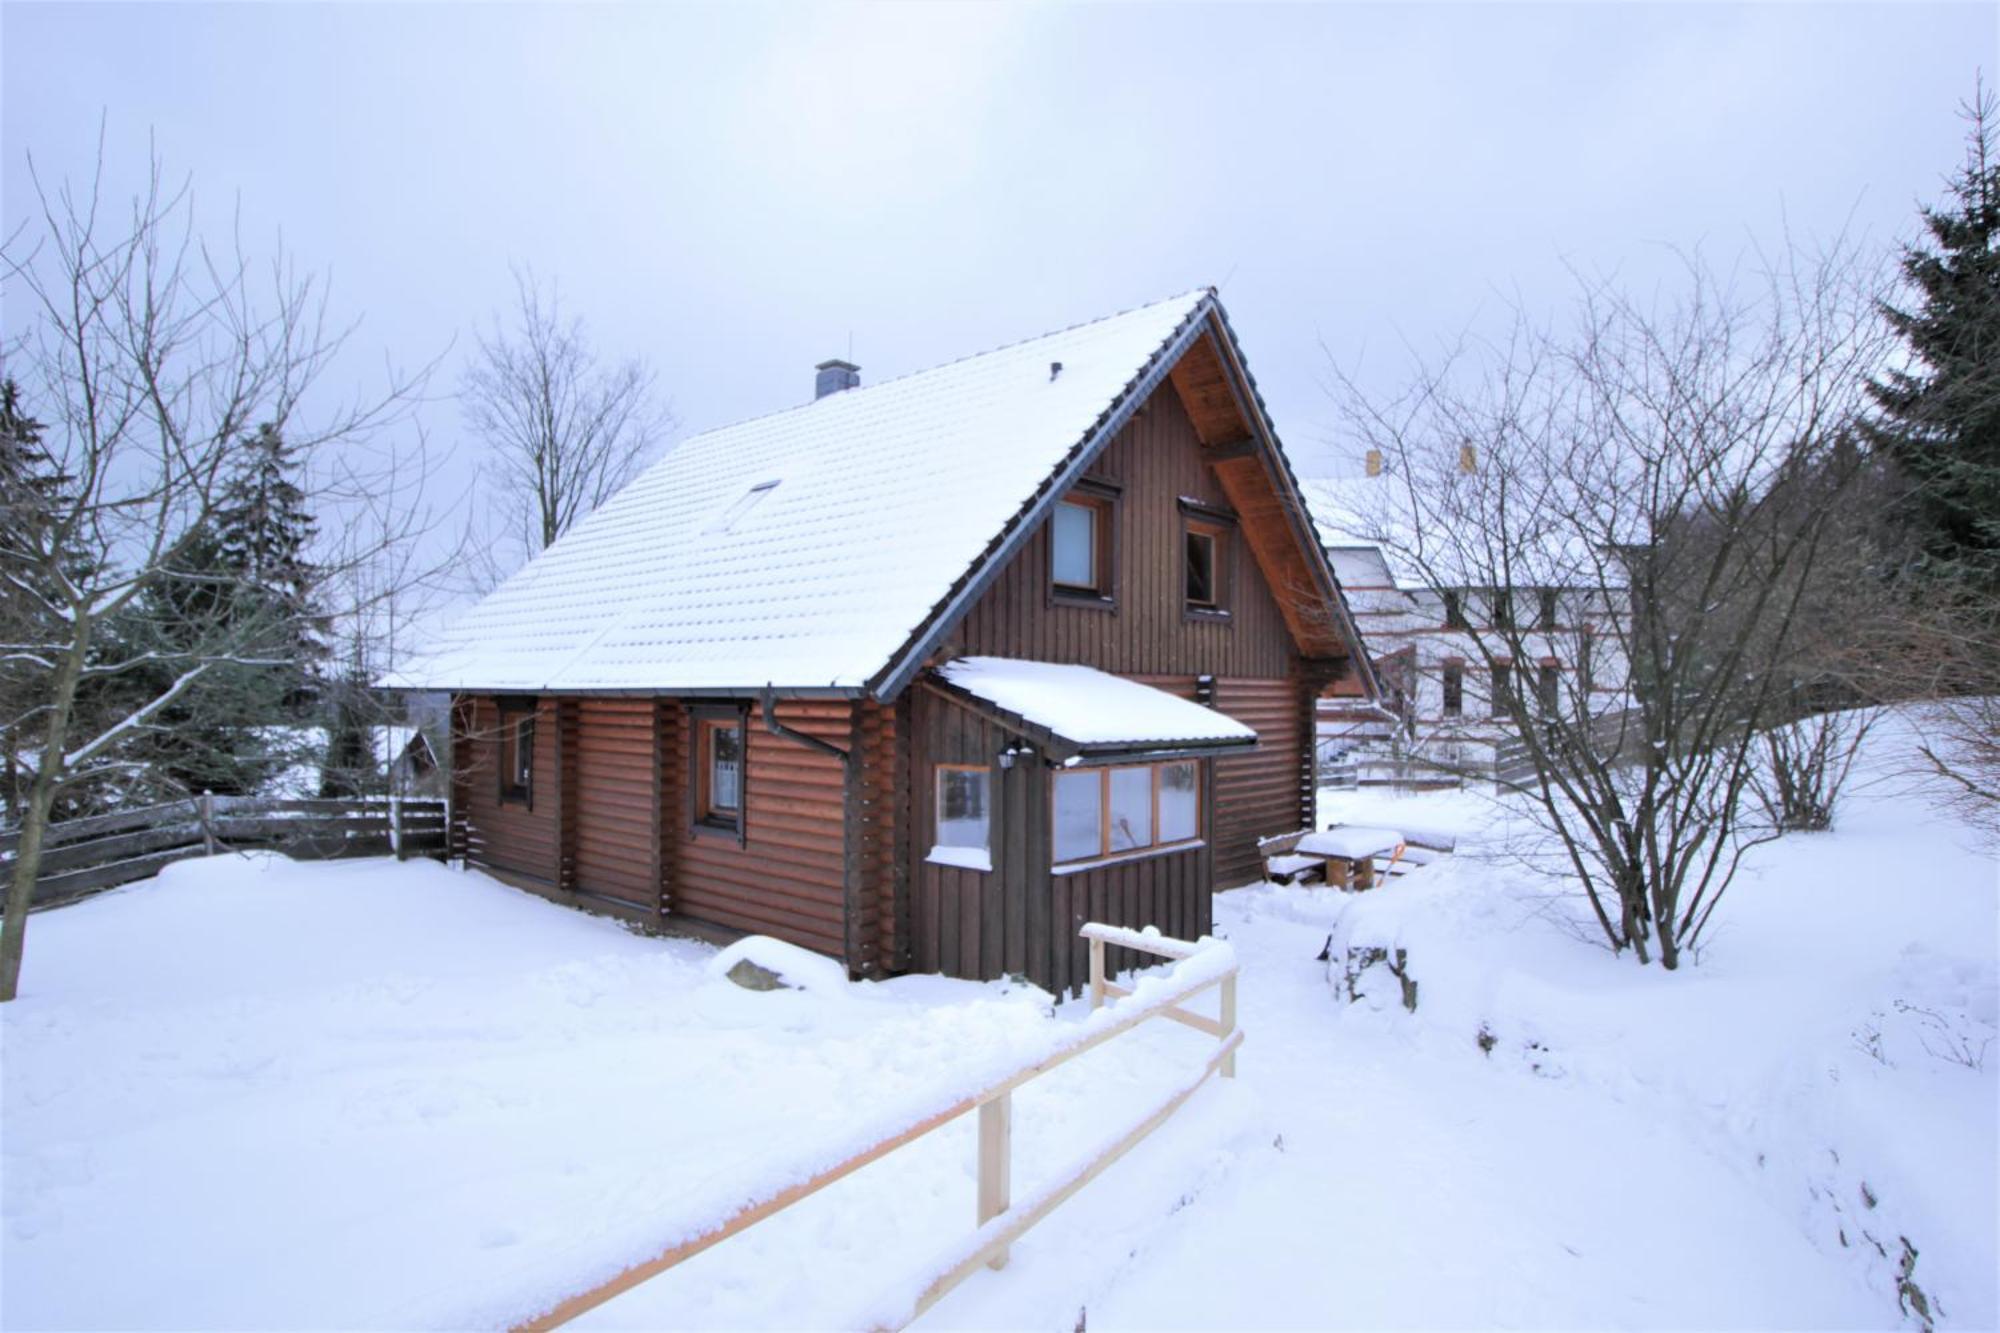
83	856
1000	1219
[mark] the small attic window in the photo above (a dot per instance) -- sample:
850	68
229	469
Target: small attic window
743	505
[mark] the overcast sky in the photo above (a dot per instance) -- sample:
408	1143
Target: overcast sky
737	193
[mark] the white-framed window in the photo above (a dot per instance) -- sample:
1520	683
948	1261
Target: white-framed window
964	816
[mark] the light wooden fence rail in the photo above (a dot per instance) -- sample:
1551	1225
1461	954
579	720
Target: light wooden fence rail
84	856
1000	1220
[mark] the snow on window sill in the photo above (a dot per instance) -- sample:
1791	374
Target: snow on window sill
1119	858
964	858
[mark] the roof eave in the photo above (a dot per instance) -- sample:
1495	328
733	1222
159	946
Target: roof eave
1296	511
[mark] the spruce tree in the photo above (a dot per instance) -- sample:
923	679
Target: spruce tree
245	589
30	487
1939	416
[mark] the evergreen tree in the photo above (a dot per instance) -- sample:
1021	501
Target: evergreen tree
245	589
1940	415
30	484
264	532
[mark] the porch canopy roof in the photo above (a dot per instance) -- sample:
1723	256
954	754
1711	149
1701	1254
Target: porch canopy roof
1078	714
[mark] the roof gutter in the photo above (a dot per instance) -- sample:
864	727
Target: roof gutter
708	692
987	568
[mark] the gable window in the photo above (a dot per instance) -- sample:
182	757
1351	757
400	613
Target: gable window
1126	808
517	751
1503	608
1080	543
964	816
1454	688
1205	555
719	751
1203	546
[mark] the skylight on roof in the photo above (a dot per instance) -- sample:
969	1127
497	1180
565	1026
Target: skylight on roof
743	505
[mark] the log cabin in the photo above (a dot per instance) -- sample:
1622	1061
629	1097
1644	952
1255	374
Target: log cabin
921	675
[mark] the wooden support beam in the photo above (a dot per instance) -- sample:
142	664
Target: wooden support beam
1229	449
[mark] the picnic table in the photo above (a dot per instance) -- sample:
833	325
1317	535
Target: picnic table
1349	852
1343	855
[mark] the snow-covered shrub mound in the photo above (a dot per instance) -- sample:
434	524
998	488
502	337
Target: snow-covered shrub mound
785	965
1834	1042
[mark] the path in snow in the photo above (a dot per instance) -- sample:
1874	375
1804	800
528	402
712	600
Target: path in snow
1406	1195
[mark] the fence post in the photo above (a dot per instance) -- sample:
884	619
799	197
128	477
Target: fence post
208	821
1229	1022
1096	974
996	1170
396	827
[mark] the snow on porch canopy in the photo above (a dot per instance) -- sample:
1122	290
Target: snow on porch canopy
1079	712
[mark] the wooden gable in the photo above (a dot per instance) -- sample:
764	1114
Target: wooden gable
1237	445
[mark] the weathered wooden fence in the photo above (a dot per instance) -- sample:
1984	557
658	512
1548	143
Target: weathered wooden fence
84	856
1001	1220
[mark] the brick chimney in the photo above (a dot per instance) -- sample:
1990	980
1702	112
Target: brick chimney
1374	462
1468	458
834	376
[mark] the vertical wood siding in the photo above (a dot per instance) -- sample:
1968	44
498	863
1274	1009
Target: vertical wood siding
1170	891
614	802
959	915
1156	460
1021	917
787	878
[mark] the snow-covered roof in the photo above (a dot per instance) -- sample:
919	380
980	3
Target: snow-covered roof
1355	515
1095	711
806	548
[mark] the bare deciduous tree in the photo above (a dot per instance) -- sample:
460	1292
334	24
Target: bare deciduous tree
563	431
148	357
1675	459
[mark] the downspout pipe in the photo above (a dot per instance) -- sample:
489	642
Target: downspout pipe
777	728
850	788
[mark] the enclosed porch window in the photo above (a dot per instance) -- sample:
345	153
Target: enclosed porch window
1125	809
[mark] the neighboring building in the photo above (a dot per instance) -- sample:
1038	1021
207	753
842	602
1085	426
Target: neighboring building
1437	715
921	675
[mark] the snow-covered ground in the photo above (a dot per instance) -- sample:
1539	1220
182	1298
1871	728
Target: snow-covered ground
258	1094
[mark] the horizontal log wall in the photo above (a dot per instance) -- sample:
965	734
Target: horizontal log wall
511	836
1258	794
617	801
786	877
878	838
